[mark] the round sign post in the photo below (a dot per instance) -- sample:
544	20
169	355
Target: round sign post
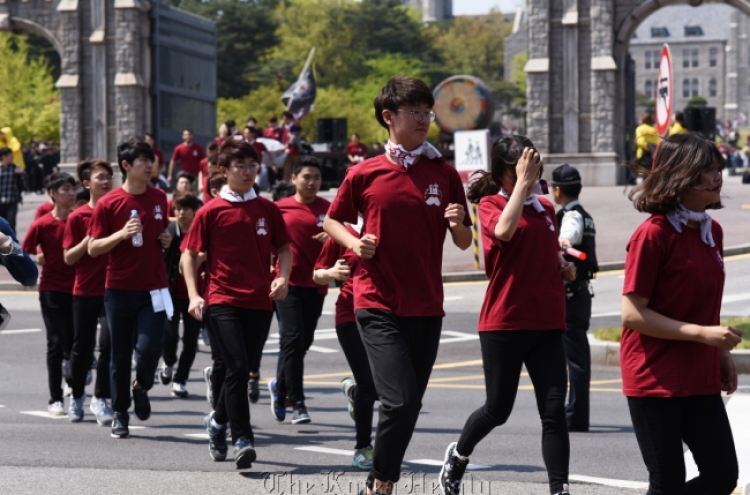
664	92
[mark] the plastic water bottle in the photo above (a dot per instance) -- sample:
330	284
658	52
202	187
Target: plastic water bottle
137	239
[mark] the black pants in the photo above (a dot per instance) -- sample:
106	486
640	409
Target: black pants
191	331
57	312
255	363
402	352
503	355
9	211
662	424
578	354
239	334
132	323
218	370
86	316
364	393
299	312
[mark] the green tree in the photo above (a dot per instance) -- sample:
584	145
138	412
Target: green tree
29	101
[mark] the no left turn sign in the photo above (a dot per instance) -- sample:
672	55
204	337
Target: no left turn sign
664	91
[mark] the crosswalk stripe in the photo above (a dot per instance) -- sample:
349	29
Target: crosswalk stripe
639	485
23	330
433	462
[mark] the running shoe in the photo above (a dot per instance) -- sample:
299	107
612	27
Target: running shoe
101	411
452	472
56	409
253	390
278	410
217	439
348	386
179	390
244	453
299	415
362	458
209	391
165	375
67	369
75	410
120	425
141	404
565	490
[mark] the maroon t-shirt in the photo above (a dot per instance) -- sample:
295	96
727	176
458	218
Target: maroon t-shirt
683	279
133	268
331	252
43	209
526	290
238	239
260	148
405	210
276	133
48	232
90	272
303	221
356	150
189	157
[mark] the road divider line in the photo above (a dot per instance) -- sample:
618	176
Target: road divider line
326	450
457	378
602	382
611	313
44	414
638	485
434	462
23	330
459	364
324	350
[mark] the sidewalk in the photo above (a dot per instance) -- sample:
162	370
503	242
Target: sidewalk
615	218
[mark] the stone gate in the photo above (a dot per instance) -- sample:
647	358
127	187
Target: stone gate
576	79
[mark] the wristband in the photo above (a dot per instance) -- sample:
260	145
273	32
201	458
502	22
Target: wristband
7	243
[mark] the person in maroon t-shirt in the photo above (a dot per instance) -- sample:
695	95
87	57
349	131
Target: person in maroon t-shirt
408	198
356	151
159	170
674	351
129	224
300	310
524	265
212	150
189	154
273	130
55	285
239	288
88	297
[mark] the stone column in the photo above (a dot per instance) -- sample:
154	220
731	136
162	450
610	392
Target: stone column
71	115
570	76
537	74
128	80
98	89
731	89
603	72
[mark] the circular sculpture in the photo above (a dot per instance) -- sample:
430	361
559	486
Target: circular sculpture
463	103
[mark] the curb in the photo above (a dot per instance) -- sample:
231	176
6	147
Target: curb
608	354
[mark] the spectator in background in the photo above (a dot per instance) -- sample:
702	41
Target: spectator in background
159	170
231	128
50	159
33	172
212	149
646	140
355	150
189	154
7	139
678	126
273	130
223	134
10	188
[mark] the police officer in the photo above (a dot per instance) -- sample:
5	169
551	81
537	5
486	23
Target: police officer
577	231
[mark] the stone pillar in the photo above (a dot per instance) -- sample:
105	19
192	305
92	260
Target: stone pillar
570	76
603	72
98	91
537	74
128	80
71	115
731	89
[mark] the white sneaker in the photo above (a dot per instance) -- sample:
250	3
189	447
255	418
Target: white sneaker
179	390
102	411
56	409
165	375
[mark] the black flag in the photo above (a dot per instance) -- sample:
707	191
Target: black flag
300	97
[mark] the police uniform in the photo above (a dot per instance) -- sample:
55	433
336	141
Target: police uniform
575	224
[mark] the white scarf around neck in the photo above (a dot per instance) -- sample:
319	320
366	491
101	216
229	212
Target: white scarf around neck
531	200
234	197
406	158
682	215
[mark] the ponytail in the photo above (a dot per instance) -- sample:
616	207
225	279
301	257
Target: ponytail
483	185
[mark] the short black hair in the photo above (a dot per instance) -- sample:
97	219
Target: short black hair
185	175
83	194
402	90
131	150
212	146
254	130
232	150
84	168
5	151
287	115
188	200
217	181
282	189
571	190
306	161
230	123
59	179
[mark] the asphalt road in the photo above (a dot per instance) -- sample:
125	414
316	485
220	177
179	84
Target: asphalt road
39	454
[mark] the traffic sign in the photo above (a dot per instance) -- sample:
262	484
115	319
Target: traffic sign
664	91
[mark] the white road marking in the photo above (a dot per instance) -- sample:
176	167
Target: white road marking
44	414
457	336
24	330
433	462
326	350
611	313
736	298
738	410
453	298
609	482
326	450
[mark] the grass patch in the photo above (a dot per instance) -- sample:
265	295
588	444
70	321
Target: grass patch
613	334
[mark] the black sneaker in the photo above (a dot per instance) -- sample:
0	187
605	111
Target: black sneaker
300	415
253	392
120	425
141	404
452	472
244	453
217	439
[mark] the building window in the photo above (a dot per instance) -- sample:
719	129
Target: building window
694	58
693	31
685	59
713	57
686	88
712	88
695	87
649	88
648	59
659	32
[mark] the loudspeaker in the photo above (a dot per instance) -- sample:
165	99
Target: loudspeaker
332	131
701	121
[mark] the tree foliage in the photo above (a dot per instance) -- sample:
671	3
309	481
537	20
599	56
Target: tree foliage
29	101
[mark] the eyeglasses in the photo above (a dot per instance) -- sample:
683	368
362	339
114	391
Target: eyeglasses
419	116
245	168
